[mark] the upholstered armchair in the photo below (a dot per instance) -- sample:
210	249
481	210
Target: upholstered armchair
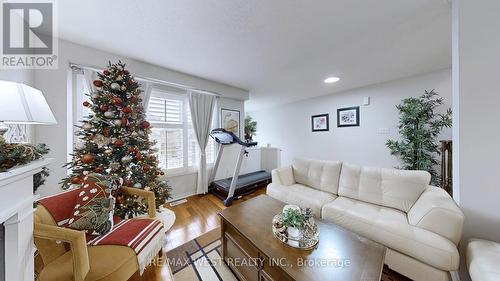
67	255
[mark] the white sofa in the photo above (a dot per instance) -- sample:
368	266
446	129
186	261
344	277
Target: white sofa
419	224
483	260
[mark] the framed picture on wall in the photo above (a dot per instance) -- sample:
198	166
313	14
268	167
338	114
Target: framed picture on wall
348	117
230	120
320	123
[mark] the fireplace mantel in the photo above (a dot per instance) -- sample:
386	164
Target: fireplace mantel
16	214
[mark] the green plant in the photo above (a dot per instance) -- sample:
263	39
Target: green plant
250	127
293	218
419	127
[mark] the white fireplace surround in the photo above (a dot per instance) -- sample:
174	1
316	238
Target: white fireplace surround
16	213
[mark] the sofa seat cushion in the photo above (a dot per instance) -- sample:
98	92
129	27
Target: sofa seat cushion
390	227
483	258
300	195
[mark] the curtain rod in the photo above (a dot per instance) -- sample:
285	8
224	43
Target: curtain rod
149	79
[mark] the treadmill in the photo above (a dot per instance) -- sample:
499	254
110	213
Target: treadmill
238	185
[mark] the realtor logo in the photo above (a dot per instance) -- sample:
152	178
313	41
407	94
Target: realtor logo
29	38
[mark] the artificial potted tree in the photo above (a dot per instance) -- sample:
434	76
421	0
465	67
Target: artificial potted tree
250	128
419	126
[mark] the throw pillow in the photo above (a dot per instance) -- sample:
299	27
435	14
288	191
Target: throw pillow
94	207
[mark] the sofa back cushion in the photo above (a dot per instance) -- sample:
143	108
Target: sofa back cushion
393	188
318	174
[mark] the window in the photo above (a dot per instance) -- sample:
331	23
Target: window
173	132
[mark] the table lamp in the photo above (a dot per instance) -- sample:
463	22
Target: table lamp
22	104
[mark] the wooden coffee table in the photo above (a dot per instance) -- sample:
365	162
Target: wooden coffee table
252	252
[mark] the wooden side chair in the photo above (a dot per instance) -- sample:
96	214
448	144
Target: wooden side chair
66	254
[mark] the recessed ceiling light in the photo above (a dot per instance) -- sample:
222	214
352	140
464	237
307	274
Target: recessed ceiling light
331	80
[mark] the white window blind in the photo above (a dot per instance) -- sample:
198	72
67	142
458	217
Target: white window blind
173	132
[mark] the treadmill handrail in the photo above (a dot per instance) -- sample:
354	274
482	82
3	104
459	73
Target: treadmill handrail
235	139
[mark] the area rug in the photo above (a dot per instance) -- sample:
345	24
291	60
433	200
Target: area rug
200	259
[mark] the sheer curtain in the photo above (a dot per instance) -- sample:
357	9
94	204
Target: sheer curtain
202	108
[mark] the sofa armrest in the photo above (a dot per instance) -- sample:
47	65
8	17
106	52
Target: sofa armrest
283	176
77	243
436	211
148	195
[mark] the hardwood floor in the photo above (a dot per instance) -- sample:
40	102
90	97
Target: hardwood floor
198	216
193	218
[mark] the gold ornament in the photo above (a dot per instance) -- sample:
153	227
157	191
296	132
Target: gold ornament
108	151
115	86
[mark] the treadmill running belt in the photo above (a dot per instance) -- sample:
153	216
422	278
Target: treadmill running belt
243	180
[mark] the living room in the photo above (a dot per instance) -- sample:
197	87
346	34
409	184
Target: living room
249	140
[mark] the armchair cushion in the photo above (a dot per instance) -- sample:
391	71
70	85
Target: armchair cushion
108	263
436	211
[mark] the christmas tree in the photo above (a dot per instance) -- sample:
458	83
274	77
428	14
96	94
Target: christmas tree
114	140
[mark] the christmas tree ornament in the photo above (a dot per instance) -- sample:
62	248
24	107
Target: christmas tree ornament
145	124
116	101
123	121
146	168
127	110
101	140
119	78
114	166
134	134
105	72
137	185
128	182
109	114
123	88
76	180
108	151
86	103
115	86
88	158
98	83
99	169
126	159
138	156
104	108
119	143
117	122
87	127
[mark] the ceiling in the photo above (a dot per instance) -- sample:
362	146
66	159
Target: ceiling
279	50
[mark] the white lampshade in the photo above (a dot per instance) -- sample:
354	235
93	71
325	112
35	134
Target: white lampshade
22	104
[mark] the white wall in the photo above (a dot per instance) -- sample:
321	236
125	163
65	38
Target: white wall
289	126
476	51
54	84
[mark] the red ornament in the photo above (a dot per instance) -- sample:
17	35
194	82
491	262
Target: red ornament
127	110
98	83
125	71
138	156
76	180
88	158
162	173
104	108
128	182
86	103
145	124
124	121
105	72
99	169
116	100
119	143
146	168
133	98
90	137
